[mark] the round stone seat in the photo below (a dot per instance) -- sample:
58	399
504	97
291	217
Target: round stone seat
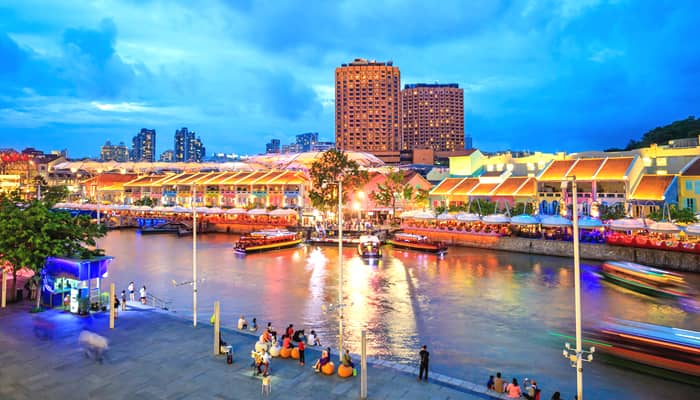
260	346
275	351
344	371
329	368
295	353
285	352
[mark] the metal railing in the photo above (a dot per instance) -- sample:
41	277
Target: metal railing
158	302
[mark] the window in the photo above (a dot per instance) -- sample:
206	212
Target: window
690	204
689	185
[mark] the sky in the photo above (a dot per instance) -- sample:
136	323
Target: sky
538	75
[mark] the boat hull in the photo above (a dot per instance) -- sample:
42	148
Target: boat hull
267	247
430	248
639	287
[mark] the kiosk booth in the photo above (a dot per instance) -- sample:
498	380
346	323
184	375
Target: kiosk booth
74	283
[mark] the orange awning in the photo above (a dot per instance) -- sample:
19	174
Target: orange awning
557	170
510	186
464	187
614	169
527	189
445	187
483	189
585	168
652	187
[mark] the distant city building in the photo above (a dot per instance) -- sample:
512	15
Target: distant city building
433	116
273	146
322	146
167	156
306	140
110	152
144	146
468	142
188	148
368	106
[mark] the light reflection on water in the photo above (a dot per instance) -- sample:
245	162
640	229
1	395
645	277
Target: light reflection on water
478	311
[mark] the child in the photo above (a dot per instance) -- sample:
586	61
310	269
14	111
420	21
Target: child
301	353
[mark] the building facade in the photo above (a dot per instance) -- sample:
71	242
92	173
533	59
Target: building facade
110	152
306	140
433	116
167	156
188	147
273	146
144	146
368	106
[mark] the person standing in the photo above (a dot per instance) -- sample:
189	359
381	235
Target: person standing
131	291
301	353
142	294
116	306
424	360
123	300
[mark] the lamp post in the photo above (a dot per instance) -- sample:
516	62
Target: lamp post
577	358
194	256
340	306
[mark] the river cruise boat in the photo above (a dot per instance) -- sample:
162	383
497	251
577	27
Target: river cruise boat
266	240
369	247
659	346
179	228
646	280
417	242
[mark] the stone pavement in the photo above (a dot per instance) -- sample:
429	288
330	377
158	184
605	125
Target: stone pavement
155	355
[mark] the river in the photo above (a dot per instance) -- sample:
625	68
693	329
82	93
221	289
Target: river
478	311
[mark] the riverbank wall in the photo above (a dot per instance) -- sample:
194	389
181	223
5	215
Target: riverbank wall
674	260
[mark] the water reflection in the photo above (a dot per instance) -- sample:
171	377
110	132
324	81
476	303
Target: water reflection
479	311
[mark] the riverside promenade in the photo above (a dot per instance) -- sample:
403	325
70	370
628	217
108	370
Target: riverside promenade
156	355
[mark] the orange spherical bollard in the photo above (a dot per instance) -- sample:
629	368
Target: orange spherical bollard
344	371
329	368
295	353
285	352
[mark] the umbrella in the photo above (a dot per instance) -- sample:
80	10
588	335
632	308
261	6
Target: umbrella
524	219
587	222
627	224
468	217
236	211
693	229
424	215
496	219
407	214
664	227
446	217
257	211
282	212
555	220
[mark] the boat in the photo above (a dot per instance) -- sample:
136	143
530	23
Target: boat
266	240
646	280
417	242
669	348
179	228
369	247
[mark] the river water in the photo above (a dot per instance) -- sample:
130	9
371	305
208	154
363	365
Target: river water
478	311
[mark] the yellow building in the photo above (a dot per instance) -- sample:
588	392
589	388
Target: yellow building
689	186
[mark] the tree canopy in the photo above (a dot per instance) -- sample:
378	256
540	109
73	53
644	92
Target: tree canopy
333	165
686	128
396	188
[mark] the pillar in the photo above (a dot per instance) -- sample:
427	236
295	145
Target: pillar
3	301
111	305
217	326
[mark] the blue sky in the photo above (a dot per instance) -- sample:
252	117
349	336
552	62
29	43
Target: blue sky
559	75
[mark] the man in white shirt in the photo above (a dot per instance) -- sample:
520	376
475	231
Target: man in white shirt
242	323
266	362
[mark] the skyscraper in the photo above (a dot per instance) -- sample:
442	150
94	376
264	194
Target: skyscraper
433	116
188	148
306	140
144	146
110	152
273	146
368	106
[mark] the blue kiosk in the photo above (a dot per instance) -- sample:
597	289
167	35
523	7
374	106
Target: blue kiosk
69	282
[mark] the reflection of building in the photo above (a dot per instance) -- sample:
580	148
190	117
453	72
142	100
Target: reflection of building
433	116
272	147
144	146
188	148
368	107
110	152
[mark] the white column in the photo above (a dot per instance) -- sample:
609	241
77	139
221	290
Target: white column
112	308
194	257
217	327
340	269
577	294
3	300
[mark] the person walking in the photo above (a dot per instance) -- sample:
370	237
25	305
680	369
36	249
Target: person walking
424	360
131	291
116	306
301	353
123	300
142	294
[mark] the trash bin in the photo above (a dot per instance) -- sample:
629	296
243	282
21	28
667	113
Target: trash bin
19	296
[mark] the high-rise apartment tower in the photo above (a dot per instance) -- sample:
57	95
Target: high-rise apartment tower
433	117
368	106
144	146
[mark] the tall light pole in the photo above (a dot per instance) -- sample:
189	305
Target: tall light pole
97	195
340	305
194	256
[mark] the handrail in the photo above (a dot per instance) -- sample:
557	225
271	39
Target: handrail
157	302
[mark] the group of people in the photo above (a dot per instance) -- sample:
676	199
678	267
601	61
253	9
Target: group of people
132	296
529	391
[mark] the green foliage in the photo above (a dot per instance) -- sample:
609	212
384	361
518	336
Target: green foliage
333	165
522	208
616	211
146	201
687	128
392	189
683	215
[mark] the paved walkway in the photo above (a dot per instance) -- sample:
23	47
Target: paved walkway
154	355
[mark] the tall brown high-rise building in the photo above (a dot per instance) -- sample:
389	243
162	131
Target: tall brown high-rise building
368	106
433	116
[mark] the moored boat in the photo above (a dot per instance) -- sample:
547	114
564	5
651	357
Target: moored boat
266	240
179	228
644	279
369	247
417	242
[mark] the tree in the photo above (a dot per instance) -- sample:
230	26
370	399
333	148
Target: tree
392	190
615	211
146	201
334	165
30	232
683	215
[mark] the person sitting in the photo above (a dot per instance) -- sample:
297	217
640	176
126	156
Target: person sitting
489	384
299	336
266	337
531	391
287	342
513	389
290	330
556	396
347	360
242	323
254	325
325	359
498	383
313	339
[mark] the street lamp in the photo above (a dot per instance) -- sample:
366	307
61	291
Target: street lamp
577	358
194	256
356	206
340	306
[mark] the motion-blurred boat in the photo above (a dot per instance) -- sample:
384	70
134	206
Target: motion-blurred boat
369	247
646	280
417	242
266	240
